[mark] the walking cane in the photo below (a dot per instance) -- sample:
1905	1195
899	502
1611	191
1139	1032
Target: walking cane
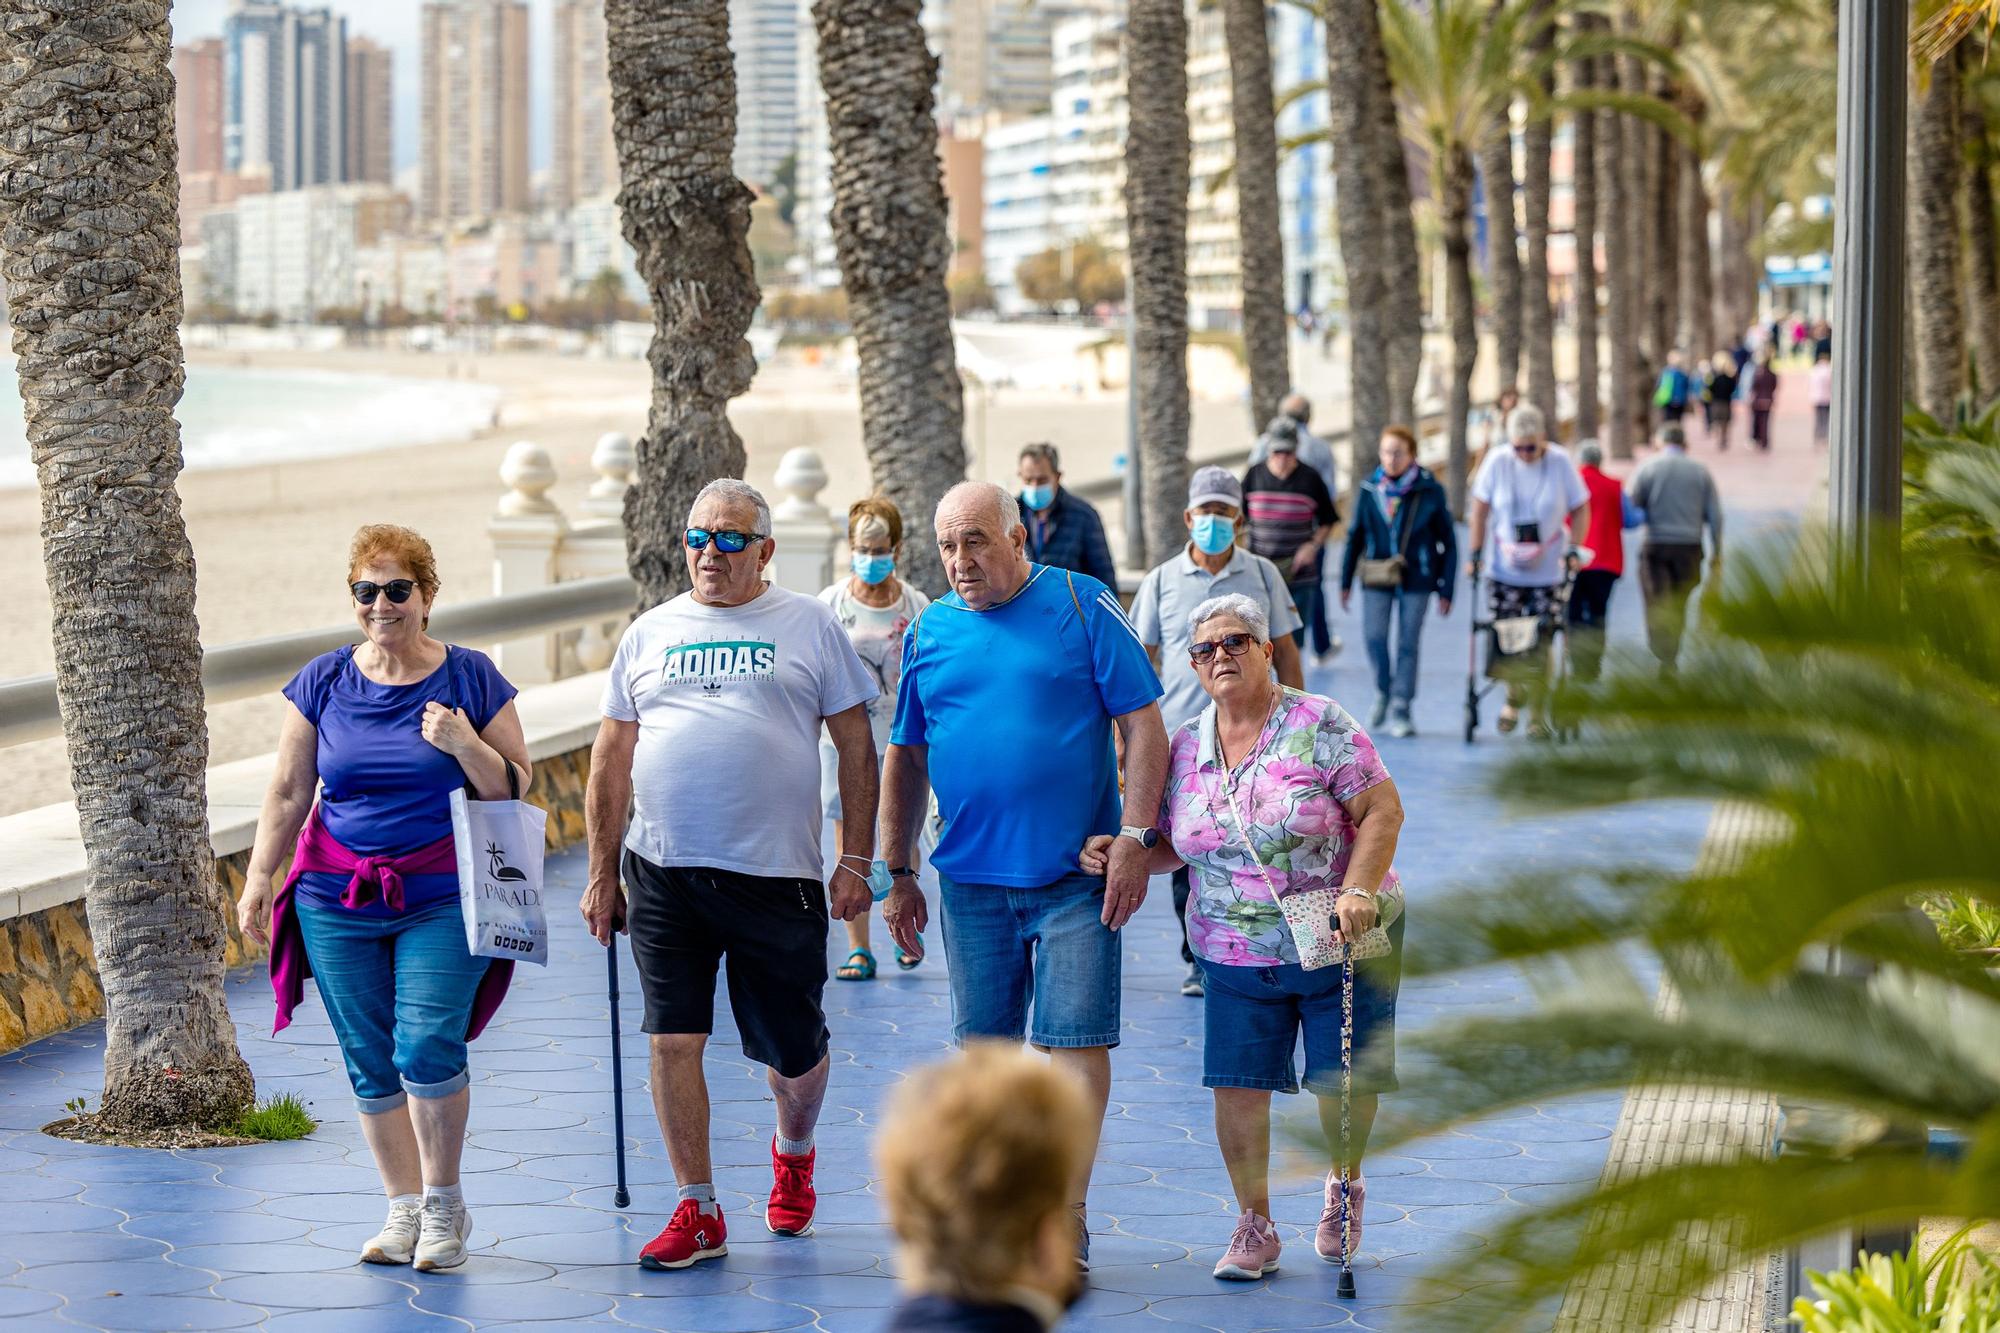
622	1197
1346	1288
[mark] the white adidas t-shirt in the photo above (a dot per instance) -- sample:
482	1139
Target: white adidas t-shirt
729	701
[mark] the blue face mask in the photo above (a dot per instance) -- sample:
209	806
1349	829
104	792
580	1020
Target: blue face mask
1038	498
872	569
1213	534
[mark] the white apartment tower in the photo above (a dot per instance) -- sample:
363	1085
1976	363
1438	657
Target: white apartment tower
473	158
285	91
766	36
584	155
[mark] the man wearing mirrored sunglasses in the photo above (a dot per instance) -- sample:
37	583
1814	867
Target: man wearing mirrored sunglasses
710	739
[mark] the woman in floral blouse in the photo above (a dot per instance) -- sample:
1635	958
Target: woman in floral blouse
1321	812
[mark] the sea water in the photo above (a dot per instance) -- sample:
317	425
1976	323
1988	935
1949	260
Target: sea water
235	417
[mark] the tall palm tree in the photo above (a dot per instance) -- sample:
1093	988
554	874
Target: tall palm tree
1503	253
1641	260
1400	258
1538	325
1982	236
1663	177
1936	172
1157	148
89	240
1266	335
1453	66
1583	74
1614	184
894	247
673	105
1697	295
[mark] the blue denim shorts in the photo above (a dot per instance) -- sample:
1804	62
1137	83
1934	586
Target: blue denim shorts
398	991
1253	1017
1009	946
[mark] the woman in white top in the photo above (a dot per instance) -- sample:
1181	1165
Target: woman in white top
875	608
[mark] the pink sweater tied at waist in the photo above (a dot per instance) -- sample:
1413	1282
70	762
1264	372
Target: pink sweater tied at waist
371	877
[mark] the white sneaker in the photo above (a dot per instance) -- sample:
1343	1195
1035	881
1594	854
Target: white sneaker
397	1239
446	1224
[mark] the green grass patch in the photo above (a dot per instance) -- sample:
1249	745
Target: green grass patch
282	1117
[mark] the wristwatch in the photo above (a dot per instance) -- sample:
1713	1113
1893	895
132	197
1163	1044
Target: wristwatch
1145	837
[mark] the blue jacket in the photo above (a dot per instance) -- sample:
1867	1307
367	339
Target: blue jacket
1423	535
1074	538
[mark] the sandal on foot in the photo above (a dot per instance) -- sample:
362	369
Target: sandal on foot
861	971
1510	717
907	961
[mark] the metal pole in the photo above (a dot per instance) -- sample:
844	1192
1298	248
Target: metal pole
1865	483
1135	514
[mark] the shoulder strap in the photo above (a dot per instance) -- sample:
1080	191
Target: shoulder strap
1069	577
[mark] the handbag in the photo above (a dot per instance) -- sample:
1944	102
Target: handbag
1383	573
1313	916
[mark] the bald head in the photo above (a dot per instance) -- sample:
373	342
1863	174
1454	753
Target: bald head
1297	407
982	543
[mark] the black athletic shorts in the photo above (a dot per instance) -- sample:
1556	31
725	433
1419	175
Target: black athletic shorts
686	919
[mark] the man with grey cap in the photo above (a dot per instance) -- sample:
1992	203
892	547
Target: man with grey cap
1210	565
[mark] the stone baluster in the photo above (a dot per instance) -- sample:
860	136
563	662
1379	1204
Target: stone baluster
615	462
805	531
600	541
527	531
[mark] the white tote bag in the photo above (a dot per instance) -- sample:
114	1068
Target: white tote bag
499	846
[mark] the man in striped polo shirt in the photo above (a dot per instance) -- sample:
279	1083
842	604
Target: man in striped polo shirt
1291	516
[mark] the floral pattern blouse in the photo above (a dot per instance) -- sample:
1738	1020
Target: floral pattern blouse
1311	757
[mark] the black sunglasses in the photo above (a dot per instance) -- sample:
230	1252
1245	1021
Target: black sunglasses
729	541
1234	644
396	590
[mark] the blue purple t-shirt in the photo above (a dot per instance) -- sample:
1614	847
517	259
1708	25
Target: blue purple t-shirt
384	789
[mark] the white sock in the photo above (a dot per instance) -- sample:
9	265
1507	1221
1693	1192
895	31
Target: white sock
412	1200
704	1197
452	1194
795	1147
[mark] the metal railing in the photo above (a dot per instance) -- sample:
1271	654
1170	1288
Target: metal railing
29	712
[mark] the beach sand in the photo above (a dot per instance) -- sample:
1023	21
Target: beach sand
270	540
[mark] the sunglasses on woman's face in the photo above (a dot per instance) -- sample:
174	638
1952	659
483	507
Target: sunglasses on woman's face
396	590
729	541
1234	644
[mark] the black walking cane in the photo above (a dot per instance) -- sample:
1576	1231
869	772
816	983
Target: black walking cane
1345	1290
622	1197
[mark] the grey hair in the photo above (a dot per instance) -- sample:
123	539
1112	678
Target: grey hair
1234	604
1590	453
1525	422
1010	508
729	488
871	527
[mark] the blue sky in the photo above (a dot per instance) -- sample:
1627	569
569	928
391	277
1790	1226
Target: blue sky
395	23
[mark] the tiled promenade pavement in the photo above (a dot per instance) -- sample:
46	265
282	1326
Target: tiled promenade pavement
127	1239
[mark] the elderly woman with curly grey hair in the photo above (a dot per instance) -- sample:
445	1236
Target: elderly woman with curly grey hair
1270	792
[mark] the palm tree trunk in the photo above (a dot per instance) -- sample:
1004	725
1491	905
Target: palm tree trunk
1266	337
1663	297
1583	156
1353	51
1935	171
1156	195
1503	254
1537	318
1642	263
1736	276
673	104
1402	263
1982	241
89	241
890	234
1459	315
1697	313
1621	313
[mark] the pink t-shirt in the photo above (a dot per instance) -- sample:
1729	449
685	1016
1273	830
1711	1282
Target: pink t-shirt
1822	383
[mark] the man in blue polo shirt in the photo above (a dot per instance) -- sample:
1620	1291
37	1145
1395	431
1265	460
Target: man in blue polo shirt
1011	685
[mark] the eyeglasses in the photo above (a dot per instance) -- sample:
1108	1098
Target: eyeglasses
729	541
1527	446
396	590
1234	644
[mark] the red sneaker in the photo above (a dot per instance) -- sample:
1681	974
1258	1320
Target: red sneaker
790	1211
690	1237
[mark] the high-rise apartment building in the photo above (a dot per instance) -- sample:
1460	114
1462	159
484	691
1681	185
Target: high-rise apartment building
994	55
583	155
371	101
473	159
198	104
764	37
285	93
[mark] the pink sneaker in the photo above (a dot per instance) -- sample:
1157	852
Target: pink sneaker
1327	1241
1253	1250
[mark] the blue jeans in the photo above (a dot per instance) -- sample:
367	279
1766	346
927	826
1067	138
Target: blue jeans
1395	679
399	993
1306	597
1006	946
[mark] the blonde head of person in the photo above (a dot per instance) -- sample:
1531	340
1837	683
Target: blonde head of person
979	1156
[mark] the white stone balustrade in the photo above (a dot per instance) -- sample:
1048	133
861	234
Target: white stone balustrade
536	545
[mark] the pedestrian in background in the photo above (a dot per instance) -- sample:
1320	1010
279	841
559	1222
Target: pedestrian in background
1492	427
1403	544
1274	792
1291	514
375	738
1064	530
1763	398
875	608
978	1156
1318	455
1012	684
1718	395
1611	512
1675	389
1820	382
1211	564
712	715
1679	499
